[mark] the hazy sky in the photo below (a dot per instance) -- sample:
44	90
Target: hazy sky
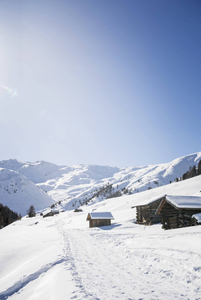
107	82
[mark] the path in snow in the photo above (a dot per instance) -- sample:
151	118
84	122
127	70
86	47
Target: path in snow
106	264
61	258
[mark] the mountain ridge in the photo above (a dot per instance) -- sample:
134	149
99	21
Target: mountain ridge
78	184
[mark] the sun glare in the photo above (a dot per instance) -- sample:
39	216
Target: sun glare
10	91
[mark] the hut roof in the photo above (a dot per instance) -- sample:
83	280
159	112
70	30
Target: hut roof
197	217
100	215
183	202
55	210
148	201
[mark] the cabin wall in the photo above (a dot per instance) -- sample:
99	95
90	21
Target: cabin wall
99	223
143	216
146	214
176	218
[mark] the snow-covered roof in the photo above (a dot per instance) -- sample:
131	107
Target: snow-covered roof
185	201
101	215
148	201
55	210
197	217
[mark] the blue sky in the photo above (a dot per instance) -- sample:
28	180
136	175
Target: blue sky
107	82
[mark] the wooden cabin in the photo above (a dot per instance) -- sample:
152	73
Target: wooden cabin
78	210
178	211
146	211
99	219
50	213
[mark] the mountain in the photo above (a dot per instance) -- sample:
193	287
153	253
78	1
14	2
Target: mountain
79	184
19	193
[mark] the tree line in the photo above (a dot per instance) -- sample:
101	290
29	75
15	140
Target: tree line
192	172
7	216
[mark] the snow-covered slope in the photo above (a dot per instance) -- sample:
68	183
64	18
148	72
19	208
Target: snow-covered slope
79	183
19	193
60	257
11	164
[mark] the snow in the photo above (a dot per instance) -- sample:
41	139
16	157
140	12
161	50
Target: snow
19	193
73	185
185	201
61	258
101	215
197	217
180	201
149	201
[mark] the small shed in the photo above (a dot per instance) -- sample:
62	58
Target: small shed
78	210
178	211
146	211
50	213
99	219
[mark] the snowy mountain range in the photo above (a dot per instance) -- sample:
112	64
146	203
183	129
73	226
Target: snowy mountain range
43	184
60	257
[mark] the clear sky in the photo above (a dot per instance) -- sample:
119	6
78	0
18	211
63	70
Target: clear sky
107	82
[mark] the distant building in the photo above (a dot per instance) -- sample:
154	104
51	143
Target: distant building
99	219
146	211
78	210
179	211
50	213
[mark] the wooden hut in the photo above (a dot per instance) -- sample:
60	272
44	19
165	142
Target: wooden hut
50	213
78	210
178	211
99	219
146	211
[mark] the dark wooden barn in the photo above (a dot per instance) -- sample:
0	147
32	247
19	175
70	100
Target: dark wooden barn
99	219
146	211
178	211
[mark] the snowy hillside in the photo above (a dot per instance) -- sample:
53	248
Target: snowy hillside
18	193
80	183
60	257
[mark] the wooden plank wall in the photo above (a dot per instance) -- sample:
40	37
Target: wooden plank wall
146	214
99	223
176	218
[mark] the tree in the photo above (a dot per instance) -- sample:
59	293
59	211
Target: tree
31	212
185	176
192	172
199	168
7	216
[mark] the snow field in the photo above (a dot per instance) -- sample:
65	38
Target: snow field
60	257
29	252
136	262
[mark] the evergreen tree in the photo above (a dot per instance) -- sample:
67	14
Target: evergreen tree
7	216
199	167
192	172
1	218
31	212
